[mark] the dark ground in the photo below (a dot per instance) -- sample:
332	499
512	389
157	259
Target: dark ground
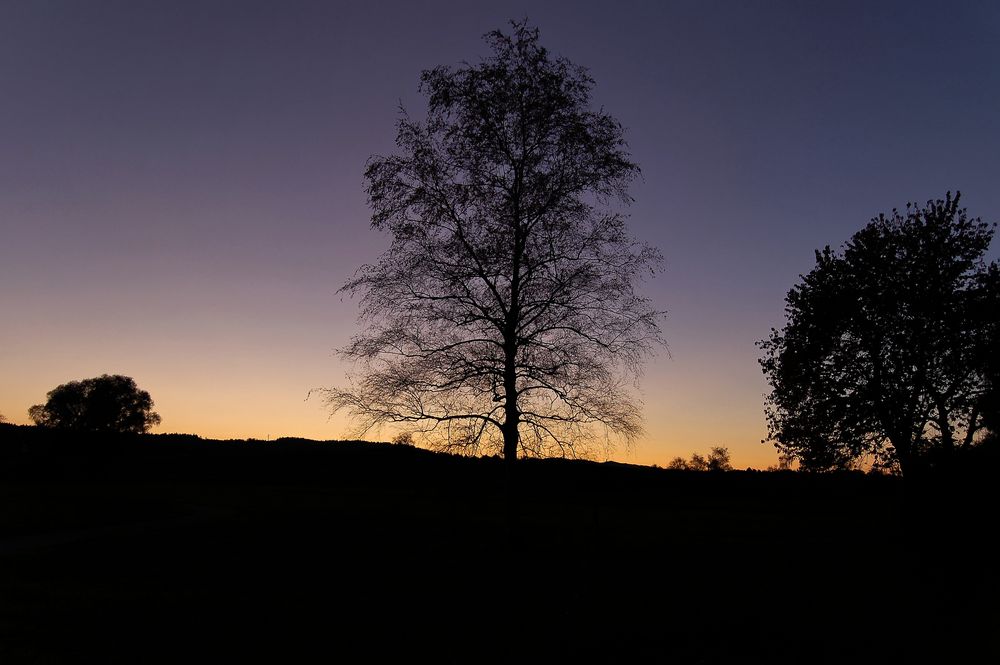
169	549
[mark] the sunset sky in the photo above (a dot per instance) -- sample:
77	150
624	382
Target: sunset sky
181	187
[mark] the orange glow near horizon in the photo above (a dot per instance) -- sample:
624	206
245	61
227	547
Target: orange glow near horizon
249	393
182	189
221	364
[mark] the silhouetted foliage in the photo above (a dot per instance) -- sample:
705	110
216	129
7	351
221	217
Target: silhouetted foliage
698	462
503	318
886	347
108	403
403	439
678	464
991	398
717	460
786	462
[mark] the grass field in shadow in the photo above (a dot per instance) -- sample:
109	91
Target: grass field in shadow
170	549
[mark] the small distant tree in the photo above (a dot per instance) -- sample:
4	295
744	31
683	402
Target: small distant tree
678	464
698	462
404	439
108	403
886	351
718	459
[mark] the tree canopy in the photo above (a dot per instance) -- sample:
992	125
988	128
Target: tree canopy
886	349
108	403
504	315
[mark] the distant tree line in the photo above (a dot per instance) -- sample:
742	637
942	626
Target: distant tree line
717	460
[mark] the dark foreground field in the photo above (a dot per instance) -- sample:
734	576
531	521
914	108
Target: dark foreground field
173	549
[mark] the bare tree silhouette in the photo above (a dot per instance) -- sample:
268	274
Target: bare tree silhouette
504	318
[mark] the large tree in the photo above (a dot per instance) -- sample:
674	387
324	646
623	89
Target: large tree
504	315
107	403
885	353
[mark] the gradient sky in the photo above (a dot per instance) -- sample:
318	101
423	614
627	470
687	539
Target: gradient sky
181	190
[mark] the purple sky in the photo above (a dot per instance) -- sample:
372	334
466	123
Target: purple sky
181	190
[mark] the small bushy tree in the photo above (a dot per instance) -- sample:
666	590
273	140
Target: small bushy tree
718	459
404	439
108	403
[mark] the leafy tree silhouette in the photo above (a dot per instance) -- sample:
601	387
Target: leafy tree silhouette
503	318
718	459
108	403
885	348
403	439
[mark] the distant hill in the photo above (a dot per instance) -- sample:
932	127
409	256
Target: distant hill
34	452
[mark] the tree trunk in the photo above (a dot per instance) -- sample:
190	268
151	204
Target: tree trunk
903	457
510	442
511	414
